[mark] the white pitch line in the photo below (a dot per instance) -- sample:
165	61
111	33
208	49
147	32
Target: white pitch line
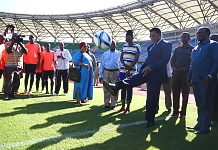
71	135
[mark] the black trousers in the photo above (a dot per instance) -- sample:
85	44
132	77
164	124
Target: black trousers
179	84
38	77
11	84
30	70
64	75
153	92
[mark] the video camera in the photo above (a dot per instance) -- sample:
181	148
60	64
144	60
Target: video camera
18	38
11	26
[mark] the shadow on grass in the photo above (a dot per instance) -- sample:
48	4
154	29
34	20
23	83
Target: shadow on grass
169	133
41	107
166	134
26	96
131	137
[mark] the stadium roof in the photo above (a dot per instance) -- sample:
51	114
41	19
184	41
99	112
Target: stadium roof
140	16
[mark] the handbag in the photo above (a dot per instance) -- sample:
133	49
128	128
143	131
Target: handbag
75	73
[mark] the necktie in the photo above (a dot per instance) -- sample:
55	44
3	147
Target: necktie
152	47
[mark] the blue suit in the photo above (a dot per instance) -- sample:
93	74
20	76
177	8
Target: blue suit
158	57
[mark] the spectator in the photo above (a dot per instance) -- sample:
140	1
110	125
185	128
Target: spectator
62	58
129	57
109	71
39	74
94	62
2	58
203	76
83	89
48	67
214	121
167	89
32	61
180	63
96	74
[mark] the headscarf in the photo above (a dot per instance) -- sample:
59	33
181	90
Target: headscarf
81	44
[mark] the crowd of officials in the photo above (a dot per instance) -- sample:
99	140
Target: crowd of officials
191	66
187	66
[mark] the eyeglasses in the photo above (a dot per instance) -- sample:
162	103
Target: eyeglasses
153	36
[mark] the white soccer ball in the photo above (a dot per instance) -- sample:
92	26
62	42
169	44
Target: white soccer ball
102	39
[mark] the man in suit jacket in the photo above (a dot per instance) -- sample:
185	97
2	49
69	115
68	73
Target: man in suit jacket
153	72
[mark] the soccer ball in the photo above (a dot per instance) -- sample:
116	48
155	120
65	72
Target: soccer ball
102	39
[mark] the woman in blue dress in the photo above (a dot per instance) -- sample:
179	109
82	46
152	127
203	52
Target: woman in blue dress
84	89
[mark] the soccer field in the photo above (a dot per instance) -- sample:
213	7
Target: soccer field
46	122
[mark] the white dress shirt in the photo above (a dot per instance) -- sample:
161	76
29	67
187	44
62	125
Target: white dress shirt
109	60
62	64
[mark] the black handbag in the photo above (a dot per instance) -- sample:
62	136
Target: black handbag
75	73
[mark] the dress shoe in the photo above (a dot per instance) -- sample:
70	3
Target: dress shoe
106	107
83	101
202	132
149	124
169	110
78	102
126	111
193	127
13	96
6	97
174	114
113	88
122	109
112	107
182	116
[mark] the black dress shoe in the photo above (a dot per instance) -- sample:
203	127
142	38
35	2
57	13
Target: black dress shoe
6	97
106	107
112	107
193	127
113	88
202	132
13	96
149	124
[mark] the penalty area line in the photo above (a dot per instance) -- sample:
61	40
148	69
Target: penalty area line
71	135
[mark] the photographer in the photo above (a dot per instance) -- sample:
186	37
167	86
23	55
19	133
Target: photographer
13	64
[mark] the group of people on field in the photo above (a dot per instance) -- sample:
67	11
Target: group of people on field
35	61
191	66
177	72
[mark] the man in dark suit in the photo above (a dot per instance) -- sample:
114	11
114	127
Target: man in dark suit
153	72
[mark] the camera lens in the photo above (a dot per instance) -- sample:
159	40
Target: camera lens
12	26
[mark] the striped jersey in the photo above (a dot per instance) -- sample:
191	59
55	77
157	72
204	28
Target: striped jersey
129	53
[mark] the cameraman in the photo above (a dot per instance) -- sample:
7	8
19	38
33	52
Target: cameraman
13	65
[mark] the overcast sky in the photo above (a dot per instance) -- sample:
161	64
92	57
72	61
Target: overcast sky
57	7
